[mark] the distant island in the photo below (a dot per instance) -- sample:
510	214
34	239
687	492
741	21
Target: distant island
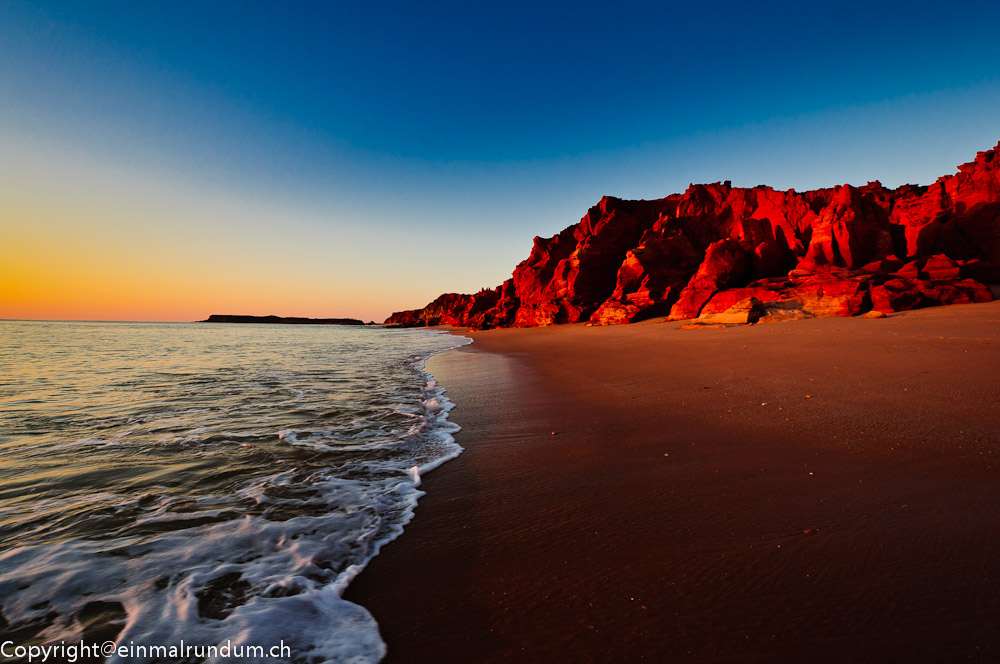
283	320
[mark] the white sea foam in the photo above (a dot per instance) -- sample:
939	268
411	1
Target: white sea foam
257	554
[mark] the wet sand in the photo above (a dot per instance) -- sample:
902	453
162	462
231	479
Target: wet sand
819	490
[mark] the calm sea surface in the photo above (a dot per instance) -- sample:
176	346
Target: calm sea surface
211	483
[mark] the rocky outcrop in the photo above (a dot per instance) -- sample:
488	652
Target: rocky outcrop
903	293
840	251
724	266
744	312
568	277
650	279
448	309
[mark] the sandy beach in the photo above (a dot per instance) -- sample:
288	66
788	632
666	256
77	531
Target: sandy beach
819	490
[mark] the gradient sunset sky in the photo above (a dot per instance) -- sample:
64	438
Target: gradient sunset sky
166	161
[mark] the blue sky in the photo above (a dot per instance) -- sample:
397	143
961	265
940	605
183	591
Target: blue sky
372	155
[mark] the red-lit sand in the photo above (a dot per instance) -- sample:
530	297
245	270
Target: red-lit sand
821	490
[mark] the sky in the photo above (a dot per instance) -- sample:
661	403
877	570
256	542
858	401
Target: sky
170	160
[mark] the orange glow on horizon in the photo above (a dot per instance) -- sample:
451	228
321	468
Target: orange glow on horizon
86	241
100	288
75	280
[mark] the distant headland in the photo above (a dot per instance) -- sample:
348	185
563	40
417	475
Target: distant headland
283	320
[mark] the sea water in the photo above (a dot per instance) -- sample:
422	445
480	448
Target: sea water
207	484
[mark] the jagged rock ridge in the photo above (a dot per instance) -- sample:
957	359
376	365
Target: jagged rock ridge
839	251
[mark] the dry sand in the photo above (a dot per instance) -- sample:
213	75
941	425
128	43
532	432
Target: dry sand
819	490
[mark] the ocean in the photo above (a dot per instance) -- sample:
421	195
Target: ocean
183	484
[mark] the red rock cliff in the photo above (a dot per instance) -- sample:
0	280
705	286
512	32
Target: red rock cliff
838	251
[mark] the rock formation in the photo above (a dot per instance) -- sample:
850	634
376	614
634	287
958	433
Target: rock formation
840	251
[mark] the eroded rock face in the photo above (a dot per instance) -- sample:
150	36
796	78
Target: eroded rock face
567	278
839	251
744	312
724	266
448	309
650	279
903	294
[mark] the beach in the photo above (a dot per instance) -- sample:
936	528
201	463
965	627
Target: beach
821	490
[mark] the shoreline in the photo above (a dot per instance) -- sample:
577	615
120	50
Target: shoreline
822	487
